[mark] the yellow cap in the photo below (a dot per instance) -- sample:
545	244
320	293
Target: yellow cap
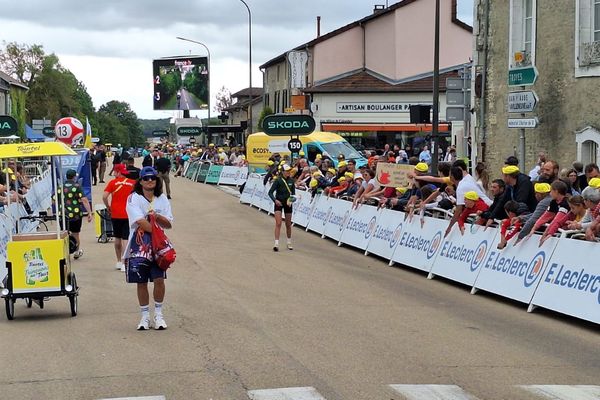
422	167
510	169
342	164
270	162
341	179
542	187
220	150
401	190
331	171
200	150
222	157
316	174
243	157
302	154
313	183
471	196
319	156
349	175
211	145
594	182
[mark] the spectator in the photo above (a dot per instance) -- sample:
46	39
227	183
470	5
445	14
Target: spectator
497	209
163	166
542	195
591	199
572	180
133	172
581	178
535	172
150	159
549	171
402	157
577	212
425	155
591	171
519	186
472	205
512	224
450	155
74	199
557	210
483	177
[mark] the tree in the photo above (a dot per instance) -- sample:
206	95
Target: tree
23	61
224	99
127	118
265	111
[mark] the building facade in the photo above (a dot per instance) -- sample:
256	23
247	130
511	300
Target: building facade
561	39
238	113
12	100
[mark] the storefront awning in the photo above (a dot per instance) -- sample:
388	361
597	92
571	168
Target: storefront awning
333	127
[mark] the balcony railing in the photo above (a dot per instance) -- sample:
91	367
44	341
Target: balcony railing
589	54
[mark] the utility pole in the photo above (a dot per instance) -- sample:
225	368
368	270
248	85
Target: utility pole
436	91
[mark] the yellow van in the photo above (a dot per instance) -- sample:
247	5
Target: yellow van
261	146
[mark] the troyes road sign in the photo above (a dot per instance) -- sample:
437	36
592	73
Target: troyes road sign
522	102
522	76
294	145
189	131
8	126
288	125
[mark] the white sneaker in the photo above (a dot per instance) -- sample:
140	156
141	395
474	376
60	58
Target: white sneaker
119	265
159	322
144	324
78	254
122	267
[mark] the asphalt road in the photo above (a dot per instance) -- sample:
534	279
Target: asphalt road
187	102
242	318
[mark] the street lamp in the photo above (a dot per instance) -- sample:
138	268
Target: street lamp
249	65
208	80
436	90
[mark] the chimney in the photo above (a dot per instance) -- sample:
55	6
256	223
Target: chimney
318	26
378	8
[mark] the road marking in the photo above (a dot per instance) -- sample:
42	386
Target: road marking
432	392
293	393
138	398
565	392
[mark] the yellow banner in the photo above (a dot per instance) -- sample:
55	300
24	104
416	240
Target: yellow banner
393	175
44	149
36	264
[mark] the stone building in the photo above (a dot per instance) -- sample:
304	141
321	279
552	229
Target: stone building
12	100
561	39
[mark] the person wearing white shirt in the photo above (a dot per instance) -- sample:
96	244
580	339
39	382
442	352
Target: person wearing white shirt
146	199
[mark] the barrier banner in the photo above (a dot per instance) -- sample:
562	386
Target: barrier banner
515	271
232	175
243	176
387	234
214	173
5	231
258	195
360	226
249	189
266	204
319	216
302	208
461	256
418	245
338	214
203	172
190	172
571	282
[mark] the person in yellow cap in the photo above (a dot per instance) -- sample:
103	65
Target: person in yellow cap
336	189
557	210
595	183
542	195
422	167
519	186
473	205
283	194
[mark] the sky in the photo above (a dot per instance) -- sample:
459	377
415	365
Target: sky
109	44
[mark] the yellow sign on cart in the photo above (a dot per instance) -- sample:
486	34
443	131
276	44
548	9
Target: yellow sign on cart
35	265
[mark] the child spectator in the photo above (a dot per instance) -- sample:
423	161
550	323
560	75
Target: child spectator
557	210
576	214
512	224
473	205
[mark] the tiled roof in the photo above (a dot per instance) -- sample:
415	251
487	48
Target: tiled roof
11	80
241	105
365	82
256	91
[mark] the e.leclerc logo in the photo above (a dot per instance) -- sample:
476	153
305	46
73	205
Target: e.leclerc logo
435	245
480	252
345	220
371	227
396	235
329	211
534	271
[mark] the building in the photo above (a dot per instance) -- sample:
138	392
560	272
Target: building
237	113
383	60
561	39
12	100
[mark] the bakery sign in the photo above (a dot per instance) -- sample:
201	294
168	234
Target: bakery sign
374	107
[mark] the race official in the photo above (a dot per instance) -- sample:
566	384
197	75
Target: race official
115	198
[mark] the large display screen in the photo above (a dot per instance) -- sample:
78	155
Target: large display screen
181	83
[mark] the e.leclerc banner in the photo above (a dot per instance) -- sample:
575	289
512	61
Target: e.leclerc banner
319	216
387	234
570	283
418	244
515	271
249	189
302	208
461	256
338	217
360	226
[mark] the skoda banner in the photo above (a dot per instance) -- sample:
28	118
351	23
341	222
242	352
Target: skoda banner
570	283
515	271
319	216
461	257
418	245
360	227
338	217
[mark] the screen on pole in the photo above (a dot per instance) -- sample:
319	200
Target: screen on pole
181	83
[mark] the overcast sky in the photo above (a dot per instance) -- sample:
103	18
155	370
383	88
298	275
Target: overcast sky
109	44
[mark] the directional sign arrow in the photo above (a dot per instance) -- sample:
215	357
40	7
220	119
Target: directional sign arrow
522	102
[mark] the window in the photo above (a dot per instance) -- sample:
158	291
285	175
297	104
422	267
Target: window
522	36
588	144
267	99
278	72
285	99
276	104
587	38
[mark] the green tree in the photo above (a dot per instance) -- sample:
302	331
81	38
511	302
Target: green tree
127	118
263	114
23	61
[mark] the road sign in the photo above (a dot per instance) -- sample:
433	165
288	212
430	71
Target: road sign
522	76
192	140
455	113
160	133
48	131
294	145
523	123
457	98
454	83
8	125
522	102
288	124
189	131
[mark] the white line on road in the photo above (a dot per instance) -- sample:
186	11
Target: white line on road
432	392
565	392
294	393
139	398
